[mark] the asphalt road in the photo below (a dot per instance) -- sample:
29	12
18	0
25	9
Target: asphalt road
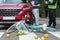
42	21
12	37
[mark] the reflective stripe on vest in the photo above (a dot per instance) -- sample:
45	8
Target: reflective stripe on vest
52	6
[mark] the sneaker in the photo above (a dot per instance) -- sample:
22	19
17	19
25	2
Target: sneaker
48	26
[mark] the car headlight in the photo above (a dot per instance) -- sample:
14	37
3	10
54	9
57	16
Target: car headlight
26	8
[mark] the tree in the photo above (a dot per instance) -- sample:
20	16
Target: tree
58	1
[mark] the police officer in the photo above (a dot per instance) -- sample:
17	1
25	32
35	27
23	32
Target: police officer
52	5
35	10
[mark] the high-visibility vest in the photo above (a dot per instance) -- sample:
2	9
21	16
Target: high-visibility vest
52	6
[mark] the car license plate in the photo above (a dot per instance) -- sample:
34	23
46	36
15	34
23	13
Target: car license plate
8	18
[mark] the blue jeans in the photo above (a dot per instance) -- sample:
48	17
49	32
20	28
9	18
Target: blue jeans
36	14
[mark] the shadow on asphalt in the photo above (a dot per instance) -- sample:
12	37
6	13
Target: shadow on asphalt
5	27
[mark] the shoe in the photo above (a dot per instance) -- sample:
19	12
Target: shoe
48	26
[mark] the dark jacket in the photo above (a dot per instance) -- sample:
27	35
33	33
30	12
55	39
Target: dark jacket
53	3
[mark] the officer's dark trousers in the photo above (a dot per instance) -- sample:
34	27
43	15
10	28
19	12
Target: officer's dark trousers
52	17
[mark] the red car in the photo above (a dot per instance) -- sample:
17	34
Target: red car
15	10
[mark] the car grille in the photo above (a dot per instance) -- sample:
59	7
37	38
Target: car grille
9	12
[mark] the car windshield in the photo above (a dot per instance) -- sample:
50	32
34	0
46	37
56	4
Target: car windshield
12	1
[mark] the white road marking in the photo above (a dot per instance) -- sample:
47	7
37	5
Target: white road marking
57	34
1	34
29	36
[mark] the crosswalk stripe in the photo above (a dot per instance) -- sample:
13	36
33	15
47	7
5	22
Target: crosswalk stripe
29	36
57	34
1	34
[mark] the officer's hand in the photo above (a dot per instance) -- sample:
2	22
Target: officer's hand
38	4
46	2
